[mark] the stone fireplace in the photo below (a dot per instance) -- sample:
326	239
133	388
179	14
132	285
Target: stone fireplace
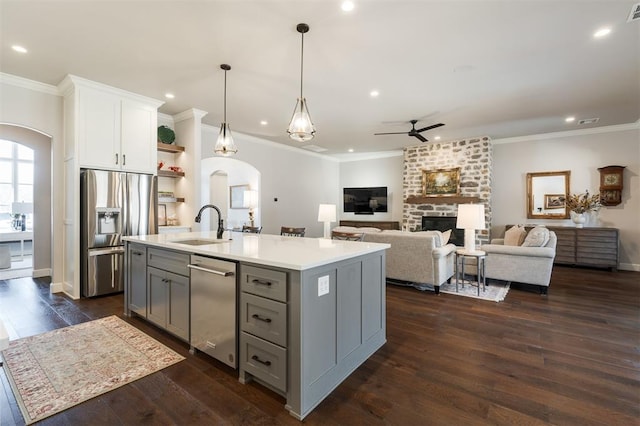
474	158
444	223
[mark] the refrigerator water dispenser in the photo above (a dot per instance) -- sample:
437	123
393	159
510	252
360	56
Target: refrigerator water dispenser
108	221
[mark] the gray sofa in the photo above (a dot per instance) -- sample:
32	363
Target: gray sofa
415	258
529	265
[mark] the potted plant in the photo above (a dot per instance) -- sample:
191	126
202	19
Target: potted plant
580	204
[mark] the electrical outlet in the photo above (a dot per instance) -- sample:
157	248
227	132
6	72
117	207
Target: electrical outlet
323	285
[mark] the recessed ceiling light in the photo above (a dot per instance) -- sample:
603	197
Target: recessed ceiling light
19	49
264	122
437	138
347	6
570	119
602	32
169	95
350	150
374	93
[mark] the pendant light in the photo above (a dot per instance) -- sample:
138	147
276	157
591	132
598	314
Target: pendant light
224	145
301	128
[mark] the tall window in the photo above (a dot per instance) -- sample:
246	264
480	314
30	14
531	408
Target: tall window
16	179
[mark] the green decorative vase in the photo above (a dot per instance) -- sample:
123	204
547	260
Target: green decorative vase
166	135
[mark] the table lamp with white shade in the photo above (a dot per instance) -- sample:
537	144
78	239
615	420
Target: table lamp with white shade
470	218
327	214
250	201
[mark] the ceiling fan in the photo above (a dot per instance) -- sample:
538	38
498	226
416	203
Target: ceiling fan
413	132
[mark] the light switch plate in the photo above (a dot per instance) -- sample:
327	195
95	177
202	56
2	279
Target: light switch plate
323	285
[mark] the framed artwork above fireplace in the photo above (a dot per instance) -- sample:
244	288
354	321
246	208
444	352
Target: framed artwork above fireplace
441	182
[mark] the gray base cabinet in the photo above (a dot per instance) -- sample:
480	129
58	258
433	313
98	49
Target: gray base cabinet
137	277
168	290
335	320
300	332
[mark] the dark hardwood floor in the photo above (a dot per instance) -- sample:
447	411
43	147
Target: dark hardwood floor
569	358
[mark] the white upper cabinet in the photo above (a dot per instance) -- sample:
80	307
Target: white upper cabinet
139	135
98	129
116	130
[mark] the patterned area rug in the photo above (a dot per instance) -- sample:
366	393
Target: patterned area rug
494	291
56	370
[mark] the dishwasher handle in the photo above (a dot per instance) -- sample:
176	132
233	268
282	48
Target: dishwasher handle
211	271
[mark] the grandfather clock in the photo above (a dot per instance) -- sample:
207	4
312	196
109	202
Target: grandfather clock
611	185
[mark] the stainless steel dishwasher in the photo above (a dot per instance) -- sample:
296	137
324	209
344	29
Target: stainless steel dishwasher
214	308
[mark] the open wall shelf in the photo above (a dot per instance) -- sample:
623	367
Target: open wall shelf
165	147
170	174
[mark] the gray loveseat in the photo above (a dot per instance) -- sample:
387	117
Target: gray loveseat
415	258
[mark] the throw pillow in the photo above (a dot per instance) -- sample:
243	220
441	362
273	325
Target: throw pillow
537	237
515	235
446	235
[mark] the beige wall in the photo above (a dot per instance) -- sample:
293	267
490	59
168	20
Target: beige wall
299	180
581	154
31	114
512	159
385	171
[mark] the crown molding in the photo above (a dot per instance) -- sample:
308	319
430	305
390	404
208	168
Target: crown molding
271	144
71	80
25	83
569	133
345	158
194	113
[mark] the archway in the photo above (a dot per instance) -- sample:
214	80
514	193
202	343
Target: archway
41	144
237	172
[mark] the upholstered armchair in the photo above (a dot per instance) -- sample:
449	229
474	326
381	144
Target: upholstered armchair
529	265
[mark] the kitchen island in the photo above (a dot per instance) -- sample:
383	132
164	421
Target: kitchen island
310	310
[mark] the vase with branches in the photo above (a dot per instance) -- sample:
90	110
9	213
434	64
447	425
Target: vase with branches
580	204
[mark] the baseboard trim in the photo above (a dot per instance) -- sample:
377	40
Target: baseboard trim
56	287
629	267
39	273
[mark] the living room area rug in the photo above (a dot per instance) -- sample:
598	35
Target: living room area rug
494	291
56	370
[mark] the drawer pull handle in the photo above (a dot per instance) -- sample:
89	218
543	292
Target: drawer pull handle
267	283
257	359
258	317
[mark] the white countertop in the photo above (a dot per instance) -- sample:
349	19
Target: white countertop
264	249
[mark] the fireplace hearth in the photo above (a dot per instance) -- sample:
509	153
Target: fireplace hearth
444	223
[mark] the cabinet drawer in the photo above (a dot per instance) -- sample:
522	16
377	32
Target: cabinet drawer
264	360
168	260
264	282
264	318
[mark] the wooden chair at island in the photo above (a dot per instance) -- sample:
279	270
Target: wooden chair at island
292	232
252	229
347	236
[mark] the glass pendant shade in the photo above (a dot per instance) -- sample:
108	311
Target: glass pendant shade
301	128
224	145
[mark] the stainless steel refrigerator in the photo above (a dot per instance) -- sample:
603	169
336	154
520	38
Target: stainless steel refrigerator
112	205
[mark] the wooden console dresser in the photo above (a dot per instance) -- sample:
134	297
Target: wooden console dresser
587	246
374	224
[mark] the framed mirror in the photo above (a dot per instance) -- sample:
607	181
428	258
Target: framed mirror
547	195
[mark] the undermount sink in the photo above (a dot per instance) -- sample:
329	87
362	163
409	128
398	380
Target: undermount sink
199	241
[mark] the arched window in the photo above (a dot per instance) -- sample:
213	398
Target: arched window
16	183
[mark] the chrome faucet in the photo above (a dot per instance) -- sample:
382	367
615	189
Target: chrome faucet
220	222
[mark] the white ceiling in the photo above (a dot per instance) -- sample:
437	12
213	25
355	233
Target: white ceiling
495	68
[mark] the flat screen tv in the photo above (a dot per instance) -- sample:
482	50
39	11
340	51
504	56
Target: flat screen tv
365	200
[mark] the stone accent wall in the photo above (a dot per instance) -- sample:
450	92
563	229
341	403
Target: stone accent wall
473	156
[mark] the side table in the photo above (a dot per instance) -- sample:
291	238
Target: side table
480	257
